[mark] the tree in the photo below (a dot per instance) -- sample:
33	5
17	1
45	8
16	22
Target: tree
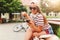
11	6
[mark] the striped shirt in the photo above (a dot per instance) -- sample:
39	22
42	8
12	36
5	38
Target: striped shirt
39	20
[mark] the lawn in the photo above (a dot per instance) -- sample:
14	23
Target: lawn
52	16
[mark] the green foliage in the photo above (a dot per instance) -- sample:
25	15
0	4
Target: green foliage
11	6
56	29
58	32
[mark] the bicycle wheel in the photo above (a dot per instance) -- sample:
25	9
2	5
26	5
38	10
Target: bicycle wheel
17	28
25	25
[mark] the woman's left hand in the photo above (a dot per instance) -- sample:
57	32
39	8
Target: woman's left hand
36	34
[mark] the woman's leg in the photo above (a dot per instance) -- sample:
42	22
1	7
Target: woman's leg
41	39
53	37
28	34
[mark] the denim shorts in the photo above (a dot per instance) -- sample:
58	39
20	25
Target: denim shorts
49	30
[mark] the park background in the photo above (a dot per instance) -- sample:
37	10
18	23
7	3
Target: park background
10	11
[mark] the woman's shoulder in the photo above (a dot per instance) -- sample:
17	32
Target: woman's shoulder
31	14
40	15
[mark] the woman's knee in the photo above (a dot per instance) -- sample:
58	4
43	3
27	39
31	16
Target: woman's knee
29	30
53	37
28	34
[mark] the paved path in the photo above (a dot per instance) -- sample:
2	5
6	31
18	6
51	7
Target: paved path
6	32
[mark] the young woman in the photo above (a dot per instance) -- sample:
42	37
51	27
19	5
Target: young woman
38	25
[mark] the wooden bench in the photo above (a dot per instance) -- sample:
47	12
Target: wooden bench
54	22
56	26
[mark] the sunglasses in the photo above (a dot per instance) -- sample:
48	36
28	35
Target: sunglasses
34	8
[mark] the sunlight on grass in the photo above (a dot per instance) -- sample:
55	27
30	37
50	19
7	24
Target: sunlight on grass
58	32
52	17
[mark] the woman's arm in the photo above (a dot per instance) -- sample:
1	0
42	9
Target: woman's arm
31	23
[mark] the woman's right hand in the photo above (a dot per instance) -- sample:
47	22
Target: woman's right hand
24	14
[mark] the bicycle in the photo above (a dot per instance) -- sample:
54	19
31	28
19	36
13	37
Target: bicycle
19	27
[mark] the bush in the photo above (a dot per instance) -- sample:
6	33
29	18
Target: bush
56	29
11	6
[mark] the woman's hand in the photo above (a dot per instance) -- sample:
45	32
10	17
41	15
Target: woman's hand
36	34
24	14
39	34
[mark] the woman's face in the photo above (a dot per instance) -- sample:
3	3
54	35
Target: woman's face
33	9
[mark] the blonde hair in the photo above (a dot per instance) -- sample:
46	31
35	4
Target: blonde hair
39	11
38	8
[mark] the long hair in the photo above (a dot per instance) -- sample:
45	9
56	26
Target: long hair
39	11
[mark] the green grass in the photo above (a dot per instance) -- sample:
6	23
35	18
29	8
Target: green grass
56	29
52	17
58	32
